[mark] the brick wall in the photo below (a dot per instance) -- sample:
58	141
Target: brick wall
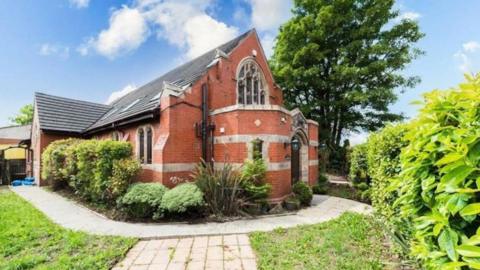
176	148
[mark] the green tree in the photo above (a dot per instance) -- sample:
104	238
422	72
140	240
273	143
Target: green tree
24	117
340	62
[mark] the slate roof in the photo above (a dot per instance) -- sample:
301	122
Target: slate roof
70	115
15	132
67	115
181	77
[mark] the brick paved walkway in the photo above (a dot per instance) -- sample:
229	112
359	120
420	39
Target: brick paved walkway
229	252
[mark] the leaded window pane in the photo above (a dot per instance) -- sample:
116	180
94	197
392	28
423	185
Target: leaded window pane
250	84
241	92
141	145
149	146
249	90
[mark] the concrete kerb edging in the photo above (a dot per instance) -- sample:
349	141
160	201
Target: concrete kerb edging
69	214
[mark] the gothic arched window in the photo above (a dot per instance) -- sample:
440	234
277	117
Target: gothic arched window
141	145
250	84
145	144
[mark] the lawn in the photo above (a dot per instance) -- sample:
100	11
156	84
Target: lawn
352	241
29	240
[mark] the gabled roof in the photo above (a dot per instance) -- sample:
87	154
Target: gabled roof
15	132
180	78
67	115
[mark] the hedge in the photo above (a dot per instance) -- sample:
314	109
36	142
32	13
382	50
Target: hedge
384	167
182	198
142	200
440	180
97	170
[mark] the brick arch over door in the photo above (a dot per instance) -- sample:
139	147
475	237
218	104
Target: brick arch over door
303	162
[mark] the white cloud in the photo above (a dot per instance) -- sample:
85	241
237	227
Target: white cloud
268	43
268	15
48	49
126	32
409	15
468	58
471	46
185	24
79	3
118	94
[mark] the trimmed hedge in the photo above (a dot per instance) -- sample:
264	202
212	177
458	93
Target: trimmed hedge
53	163
440	181
142	200
97	170
358	164
383	160
182	198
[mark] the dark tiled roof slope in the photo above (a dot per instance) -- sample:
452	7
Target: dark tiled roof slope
181	76
67	115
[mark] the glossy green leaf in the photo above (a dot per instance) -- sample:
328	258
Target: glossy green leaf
471	209
468	251
447	241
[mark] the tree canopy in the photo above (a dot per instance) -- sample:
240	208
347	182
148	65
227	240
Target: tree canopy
340	62
24	116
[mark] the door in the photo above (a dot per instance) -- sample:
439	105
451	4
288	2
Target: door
295	161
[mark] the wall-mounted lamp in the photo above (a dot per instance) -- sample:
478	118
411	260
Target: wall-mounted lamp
295	144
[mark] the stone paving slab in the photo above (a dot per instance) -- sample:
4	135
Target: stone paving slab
71	215
229	252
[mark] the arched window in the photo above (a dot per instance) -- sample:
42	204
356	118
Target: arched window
145	145
116	136
250	84
149	146
141	145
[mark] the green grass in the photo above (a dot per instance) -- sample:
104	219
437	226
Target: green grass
29	240
352	241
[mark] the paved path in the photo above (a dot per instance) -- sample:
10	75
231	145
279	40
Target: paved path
229	252
74	216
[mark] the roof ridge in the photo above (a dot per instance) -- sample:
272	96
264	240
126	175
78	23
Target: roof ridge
242	36
74	100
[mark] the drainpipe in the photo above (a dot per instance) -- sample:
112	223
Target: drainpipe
205	122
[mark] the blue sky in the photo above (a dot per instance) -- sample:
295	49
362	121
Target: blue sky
89	49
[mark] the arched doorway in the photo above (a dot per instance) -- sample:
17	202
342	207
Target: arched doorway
299	158
295	161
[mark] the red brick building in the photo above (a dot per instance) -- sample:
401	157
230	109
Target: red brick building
220	107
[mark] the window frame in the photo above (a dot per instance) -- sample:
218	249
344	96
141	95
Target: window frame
247	94
145	136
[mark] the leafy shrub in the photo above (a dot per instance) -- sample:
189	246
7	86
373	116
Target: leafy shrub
319	189
384	167
182	198
321	186
439	183
96	170
53	163
222	189
142	200
358	164
303	192
322	179
254	173
123	172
